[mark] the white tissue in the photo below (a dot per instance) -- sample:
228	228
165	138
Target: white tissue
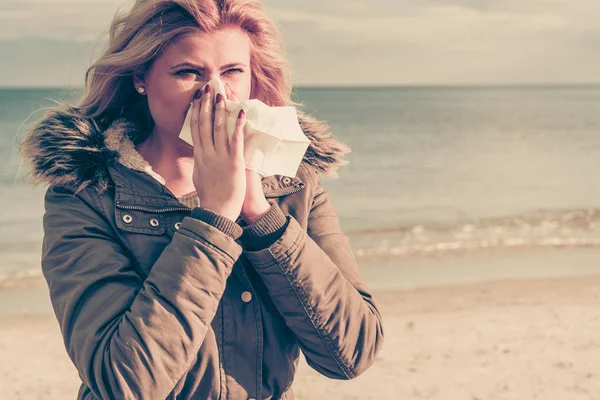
274	143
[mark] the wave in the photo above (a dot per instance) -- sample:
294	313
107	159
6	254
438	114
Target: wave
539	229
559	229
412	250
18	278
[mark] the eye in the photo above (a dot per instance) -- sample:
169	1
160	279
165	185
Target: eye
187	72
237	70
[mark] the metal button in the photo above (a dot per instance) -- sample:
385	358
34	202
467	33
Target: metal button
246	297
177	225
287	180
127	218
154	222
251	398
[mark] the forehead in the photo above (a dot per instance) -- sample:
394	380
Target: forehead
227	45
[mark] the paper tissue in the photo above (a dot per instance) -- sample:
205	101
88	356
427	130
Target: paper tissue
274	143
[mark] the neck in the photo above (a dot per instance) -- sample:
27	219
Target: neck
171	158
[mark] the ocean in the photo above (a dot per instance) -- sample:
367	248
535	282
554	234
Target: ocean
444	184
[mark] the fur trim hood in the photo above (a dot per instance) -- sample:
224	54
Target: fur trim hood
65	150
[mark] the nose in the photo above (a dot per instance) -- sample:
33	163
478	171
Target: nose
203	82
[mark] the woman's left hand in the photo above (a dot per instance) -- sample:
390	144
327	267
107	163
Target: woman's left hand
255	204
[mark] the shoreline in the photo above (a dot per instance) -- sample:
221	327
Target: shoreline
29	294
494	340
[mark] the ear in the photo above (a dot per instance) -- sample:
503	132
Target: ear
138	79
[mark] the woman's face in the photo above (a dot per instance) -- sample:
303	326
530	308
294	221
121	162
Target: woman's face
186	65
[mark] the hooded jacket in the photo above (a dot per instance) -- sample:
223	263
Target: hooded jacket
159	300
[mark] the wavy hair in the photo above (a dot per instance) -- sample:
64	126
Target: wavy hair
138	37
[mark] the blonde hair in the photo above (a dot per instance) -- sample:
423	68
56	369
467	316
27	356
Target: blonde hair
136	39
139	36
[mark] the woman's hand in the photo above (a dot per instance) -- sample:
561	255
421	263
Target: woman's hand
219	168
255	204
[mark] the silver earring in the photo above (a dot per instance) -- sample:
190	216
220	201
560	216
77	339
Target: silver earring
141	90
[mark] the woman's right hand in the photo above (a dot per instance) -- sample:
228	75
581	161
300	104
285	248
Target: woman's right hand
219	168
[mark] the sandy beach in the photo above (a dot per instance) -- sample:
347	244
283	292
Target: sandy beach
509	339
473	212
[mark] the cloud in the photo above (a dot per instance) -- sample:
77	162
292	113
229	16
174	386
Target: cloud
431	24
434	41
354	41
75	20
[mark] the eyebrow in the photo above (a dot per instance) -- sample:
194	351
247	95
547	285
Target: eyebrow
187	64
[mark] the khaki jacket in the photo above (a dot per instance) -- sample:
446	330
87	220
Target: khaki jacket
156	300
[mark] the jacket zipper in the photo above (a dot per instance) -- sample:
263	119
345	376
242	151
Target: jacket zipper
184	208
285	192
155	210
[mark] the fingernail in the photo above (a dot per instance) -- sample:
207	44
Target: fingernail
198	94
241	114
207	89
219	98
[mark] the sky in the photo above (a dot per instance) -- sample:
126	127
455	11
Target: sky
344	42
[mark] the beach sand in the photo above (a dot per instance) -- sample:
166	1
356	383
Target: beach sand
510	339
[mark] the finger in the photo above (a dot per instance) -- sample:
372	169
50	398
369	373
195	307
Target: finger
206	122
196	103
237	140
220	129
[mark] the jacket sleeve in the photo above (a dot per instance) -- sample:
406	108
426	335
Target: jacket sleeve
314	281
130	338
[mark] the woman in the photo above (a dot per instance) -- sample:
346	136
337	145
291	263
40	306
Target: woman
170	273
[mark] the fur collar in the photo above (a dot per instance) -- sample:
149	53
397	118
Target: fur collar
65	150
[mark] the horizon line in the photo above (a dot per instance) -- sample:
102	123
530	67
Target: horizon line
373	85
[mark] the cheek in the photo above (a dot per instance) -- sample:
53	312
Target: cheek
168	101
240	85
